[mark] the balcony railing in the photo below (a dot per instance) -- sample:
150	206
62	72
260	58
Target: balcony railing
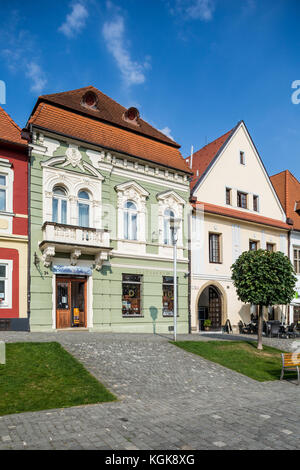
74	235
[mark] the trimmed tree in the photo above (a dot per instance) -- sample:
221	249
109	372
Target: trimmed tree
264	278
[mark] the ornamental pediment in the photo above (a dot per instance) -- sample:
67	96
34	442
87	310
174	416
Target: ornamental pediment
131	188
73	158
170	197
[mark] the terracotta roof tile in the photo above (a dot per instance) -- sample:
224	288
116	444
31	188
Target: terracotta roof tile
9	130
203	157
63	121
106	109
287	188
247	217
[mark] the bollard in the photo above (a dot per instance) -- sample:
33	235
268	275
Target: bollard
2	352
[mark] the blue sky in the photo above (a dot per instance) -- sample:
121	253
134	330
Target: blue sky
194	68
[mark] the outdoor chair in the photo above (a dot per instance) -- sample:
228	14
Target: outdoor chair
275	330
291	331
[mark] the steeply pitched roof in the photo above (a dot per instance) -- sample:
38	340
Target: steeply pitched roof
10	132
204	157
237	214
287	188
103	134
104	126
106	109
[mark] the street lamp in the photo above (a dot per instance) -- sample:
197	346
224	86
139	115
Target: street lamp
174	226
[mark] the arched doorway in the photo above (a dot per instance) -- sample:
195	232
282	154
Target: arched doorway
210	307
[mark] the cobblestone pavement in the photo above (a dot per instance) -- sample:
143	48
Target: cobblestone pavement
168	399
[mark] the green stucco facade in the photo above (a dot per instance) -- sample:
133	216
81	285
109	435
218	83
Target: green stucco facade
104	291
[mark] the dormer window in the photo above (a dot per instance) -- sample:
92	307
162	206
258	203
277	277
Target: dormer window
242	158
90	100
132	116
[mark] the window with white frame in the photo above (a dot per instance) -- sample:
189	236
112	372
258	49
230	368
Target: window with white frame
130	221
5	283
3	192
59	205
84	209
168	232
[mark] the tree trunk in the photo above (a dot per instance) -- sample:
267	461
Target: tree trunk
260	328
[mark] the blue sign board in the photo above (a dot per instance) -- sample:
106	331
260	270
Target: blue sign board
74	270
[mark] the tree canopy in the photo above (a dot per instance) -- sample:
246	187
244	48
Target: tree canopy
264	278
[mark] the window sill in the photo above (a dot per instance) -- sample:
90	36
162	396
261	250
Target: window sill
170	316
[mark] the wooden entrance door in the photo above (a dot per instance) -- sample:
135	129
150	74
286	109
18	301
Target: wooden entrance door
215	308
70	300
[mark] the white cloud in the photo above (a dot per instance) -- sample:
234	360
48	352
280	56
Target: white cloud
36	74
133	73
75	21
167	131
20	54
194	9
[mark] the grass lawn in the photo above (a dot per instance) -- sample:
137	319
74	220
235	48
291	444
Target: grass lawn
40	376
241	356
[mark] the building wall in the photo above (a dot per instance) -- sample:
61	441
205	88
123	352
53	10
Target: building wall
235	234
235	240
14	234
147	258
294	242
250	178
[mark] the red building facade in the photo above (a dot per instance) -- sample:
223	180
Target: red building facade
13	225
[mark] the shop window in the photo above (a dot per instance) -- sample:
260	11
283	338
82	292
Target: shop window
131	294
168	296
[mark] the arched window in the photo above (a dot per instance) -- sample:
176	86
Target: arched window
83	209
168	233
130	221
59	205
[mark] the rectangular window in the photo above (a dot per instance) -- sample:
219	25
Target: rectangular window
297	260
242	158
242	200
131	294
255	203
168	296
214	248
84	215
253	245
3	190
228	196
270	247
4	286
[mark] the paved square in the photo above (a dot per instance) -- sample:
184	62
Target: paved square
168	399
